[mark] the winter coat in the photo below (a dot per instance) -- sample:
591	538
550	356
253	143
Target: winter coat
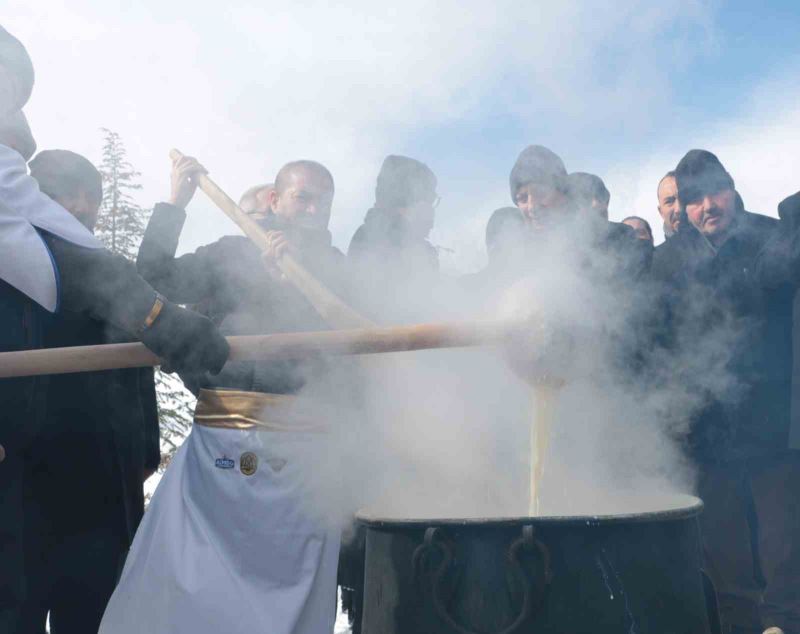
386	237
731	320
20	414
394	269
229	282
99	436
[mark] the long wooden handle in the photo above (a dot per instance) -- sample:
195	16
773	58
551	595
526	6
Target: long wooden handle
330	307
259	347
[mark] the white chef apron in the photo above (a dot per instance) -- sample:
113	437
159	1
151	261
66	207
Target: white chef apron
229	543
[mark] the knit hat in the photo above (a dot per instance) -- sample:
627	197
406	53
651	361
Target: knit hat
404	181
537	164
699	173
61	172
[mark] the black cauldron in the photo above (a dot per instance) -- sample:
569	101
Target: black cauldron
633	574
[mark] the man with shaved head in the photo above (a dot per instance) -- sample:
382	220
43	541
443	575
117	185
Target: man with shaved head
668	206
232	502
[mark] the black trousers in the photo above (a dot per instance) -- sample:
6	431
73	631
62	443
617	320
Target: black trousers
751	538
12	571
71	574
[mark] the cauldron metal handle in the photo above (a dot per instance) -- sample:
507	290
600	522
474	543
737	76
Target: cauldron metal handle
434	539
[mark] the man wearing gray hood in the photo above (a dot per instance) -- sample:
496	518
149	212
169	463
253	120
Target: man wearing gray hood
391	250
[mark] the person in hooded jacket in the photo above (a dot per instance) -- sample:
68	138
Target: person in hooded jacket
390	251
727	285
631	257
506	240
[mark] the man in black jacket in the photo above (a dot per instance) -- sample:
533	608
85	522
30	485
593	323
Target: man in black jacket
391	252
20	329
47	262
591	192
99	436
273	560
398	225
728	302
572	208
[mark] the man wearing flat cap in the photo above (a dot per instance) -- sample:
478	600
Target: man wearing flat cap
728	293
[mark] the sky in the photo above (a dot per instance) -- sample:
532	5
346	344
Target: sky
621	89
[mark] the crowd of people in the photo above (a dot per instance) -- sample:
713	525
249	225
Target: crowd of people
226	542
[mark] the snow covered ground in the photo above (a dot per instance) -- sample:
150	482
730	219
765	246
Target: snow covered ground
341	626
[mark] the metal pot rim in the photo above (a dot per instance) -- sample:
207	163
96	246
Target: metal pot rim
692	507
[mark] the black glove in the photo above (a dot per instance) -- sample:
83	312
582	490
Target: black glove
186	341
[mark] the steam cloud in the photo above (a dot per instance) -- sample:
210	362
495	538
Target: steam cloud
446	433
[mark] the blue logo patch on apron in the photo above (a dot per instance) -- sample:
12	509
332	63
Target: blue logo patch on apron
224	463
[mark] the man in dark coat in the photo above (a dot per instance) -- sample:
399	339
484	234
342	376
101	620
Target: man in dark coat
229	278
273	570
574	208
591	192
507	243
48	262
728	295
642	228
391	250
399	223
20	329
100	437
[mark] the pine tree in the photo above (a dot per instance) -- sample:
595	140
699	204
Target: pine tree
175	407
121	222
120	225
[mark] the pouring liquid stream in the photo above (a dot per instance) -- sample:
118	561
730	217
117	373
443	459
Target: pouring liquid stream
544	400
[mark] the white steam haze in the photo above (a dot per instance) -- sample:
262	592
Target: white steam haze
246	87
446	433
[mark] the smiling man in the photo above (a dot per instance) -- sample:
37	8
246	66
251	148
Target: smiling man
232	539
735	323
540	187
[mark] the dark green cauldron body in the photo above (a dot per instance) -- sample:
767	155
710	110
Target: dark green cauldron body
623	574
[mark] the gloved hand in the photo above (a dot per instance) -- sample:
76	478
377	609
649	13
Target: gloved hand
186	341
